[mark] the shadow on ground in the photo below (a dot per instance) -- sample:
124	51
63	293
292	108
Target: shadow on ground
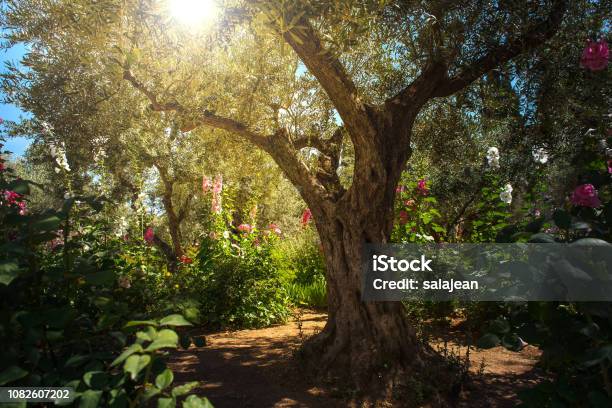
256	369
253	368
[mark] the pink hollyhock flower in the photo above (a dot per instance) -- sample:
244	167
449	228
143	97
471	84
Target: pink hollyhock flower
306	217
149	236
422	187
274	228
217	187
185	259
403	217
215	206
245	228
585	195
218	184
609	166
595	55
206	184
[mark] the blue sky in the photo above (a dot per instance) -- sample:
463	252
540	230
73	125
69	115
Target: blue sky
11	112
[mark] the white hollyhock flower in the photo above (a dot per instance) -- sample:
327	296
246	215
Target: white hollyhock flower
506	194
540	155
59	154
493	157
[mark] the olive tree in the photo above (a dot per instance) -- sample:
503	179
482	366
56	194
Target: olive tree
358	72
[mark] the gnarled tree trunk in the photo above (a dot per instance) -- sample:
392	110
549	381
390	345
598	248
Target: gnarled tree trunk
371	343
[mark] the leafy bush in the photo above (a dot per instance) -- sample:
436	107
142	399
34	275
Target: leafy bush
63	308
240	283
575	337
417	216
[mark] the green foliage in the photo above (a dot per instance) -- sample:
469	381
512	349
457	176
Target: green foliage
240	283
576	337
63	309
302	267
418	215
312	294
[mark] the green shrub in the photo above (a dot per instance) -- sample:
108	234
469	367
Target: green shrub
240	283
300	259
64	304
312	294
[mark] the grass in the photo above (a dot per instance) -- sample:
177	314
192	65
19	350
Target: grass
311	295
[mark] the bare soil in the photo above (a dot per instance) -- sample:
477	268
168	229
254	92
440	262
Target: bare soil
256	368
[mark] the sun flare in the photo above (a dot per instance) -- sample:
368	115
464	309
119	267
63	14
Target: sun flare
193	12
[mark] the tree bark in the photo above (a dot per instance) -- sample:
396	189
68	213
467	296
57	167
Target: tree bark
174	227
370	346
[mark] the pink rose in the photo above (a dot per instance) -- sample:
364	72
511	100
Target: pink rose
11	197
149	236
595	55
585	195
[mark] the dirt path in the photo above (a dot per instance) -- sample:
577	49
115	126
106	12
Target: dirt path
254	368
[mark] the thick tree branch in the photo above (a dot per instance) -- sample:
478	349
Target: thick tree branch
328	161
417	93
205	119
333	78
533	37
434	82
278	145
